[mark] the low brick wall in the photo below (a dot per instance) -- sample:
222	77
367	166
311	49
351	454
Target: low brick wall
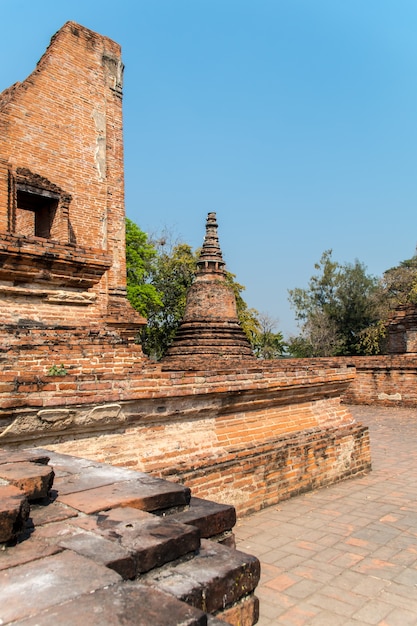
244	460
386	380
268	473
389	380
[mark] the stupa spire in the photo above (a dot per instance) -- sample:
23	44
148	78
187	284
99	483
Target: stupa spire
210	326
211	255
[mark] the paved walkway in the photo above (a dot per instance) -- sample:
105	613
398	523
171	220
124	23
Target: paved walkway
346	554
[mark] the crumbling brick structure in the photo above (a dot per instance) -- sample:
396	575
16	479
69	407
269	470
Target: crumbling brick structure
402	330
234	429
62	218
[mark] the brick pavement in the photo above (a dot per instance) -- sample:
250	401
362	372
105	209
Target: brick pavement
346	554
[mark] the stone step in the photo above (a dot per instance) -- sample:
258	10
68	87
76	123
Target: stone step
109	543
91	487
17	456
147	494
48	511
121	605
26	552
213	580
242	613
147	541
211	518
42	584
24	476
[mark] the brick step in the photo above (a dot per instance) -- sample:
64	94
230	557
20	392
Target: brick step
24	477
214	580
18	456
131	541
14	511
120	605
38	585
134	543
91	487
33	479
213	520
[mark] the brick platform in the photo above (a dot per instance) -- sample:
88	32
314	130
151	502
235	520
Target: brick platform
114	546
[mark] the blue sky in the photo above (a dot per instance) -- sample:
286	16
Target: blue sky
294	120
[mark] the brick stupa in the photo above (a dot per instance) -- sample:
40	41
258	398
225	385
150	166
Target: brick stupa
210	326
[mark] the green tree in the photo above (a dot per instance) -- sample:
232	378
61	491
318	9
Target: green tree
141	257
398	286
335	310
173	273
267	342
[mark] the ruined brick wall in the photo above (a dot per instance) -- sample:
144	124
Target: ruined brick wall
387	380
62	186
402	330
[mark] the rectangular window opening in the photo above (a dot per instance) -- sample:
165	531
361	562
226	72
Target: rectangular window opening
35	211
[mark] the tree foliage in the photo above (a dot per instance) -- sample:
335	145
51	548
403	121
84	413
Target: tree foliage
173	274
267	342
140	261
398	286
336	310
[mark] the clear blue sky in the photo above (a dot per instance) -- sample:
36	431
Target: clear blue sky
294	120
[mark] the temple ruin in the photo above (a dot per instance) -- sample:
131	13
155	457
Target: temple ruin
233	429
246	431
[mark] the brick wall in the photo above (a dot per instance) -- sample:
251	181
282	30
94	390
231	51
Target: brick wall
250	435
388	380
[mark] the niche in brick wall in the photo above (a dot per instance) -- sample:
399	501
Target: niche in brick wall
38	208
39	245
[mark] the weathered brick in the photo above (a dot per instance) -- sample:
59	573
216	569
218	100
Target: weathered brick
211	518
14	511
27	552
146	493
34	479
120	605
48	582
102	550
150	540
214	580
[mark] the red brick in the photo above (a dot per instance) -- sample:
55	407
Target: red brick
149	494
34	479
